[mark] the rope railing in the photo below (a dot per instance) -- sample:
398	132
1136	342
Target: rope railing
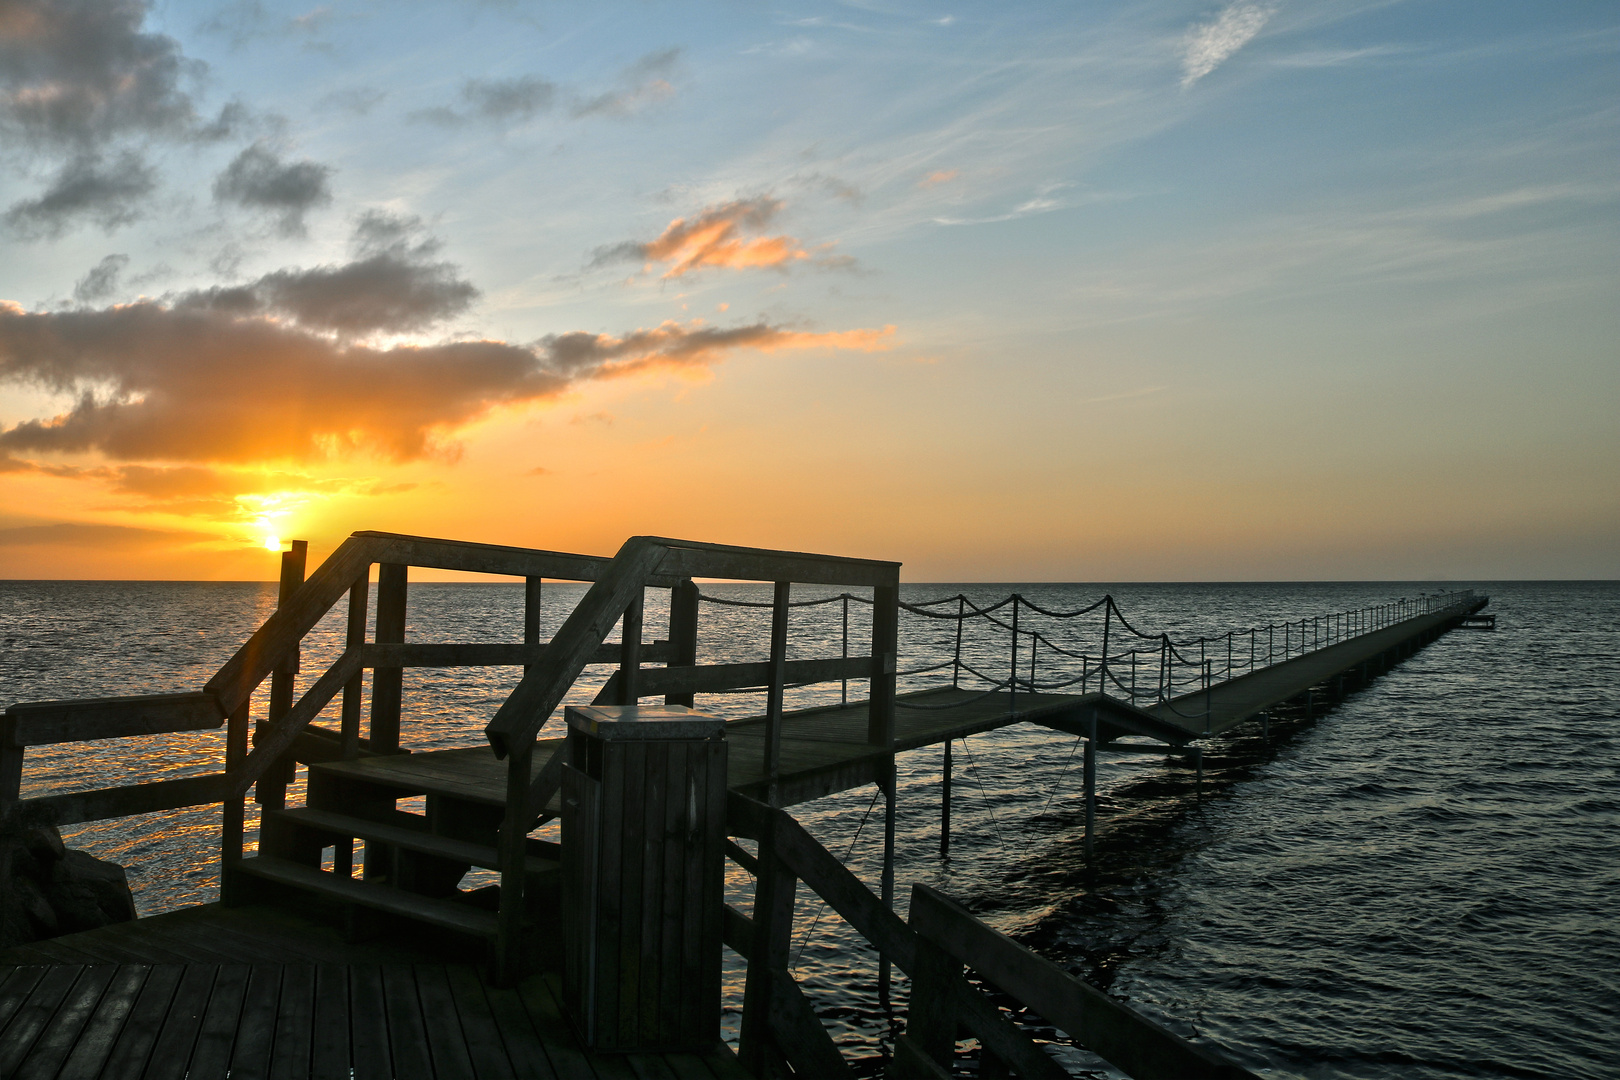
1154	671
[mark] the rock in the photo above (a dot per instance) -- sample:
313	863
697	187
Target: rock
47	889
88	892
44	844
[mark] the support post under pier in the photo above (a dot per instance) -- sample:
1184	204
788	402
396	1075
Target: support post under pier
1089	771
945	805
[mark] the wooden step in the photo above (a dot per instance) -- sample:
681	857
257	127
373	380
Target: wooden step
445	913
412	839
471	774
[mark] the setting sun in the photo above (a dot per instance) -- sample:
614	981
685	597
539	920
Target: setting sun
272	543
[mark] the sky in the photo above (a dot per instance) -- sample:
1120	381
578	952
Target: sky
1149	290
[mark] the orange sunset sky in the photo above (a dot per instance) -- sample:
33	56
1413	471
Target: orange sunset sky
1101	292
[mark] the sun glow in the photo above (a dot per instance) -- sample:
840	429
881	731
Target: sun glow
272	543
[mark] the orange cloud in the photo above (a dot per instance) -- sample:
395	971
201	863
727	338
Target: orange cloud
178	384
943	176
717	238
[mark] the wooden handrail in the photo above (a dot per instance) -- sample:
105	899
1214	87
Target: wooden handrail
1124	1037
531	703
40	723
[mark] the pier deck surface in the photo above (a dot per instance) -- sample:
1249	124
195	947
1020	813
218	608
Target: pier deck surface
259	991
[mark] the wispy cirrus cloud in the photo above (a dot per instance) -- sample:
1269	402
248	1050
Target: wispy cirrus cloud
1208	46
728	236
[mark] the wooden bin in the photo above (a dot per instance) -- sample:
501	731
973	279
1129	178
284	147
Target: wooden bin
643	850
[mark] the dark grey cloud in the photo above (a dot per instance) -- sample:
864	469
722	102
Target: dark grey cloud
392	286
75	73
259	179
102	280
85	189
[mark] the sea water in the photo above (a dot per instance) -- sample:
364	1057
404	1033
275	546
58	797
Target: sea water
1419	881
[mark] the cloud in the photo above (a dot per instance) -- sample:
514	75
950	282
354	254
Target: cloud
391	287
1207	46
642	83
259	179
102	280
717	238
104	537
75	74
939	176
358	100
497	101
85	191
509	99
157	383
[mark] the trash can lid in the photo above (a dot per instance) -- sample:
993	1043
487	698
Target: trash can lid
662	722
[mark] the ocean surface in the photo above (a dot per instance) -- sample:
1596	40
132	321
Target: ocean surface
1420	881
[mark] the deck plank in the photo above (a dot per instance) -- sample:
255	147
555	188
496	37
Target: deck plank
133	1047
172	1052
329	1027
221	1022
369	1051
256	1030
29	1021
524	1047
95	1043
56	1041
407	1034
290	1057
447	1042
485	1046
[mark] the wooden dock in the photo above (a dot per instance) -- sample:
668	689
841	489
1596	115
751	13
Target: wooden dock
348	899
261	991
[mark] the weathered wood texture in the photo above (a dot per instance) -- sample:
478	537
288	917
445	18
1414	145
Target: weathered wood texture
38	723
643	850
1137	1045
300	1020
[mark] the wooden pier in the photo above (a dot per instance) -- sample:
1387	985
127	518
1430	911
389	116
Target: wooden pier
349	897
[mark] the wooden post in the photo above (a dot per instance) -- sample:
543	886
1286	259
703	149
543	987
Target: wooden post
630	650
354	689
683	631
513	842
1089	773
531	615
388	683
930	1020
945	804
387	691
885	644
11	765
887	886
271	790
774	689
773	936
234	810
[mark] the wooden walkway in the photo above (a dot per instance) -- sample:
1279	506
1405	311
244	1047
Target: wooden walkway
825	750
261	992
1238	700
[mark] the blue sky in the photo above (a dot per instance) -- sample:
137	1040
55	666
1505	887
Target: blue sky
1074	292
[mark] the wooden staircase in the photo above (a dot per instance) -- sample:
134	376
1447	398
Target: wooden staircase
410	864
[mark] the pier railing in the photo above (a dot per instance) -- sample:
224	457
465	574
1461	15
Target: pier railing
779	1024
1150	669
